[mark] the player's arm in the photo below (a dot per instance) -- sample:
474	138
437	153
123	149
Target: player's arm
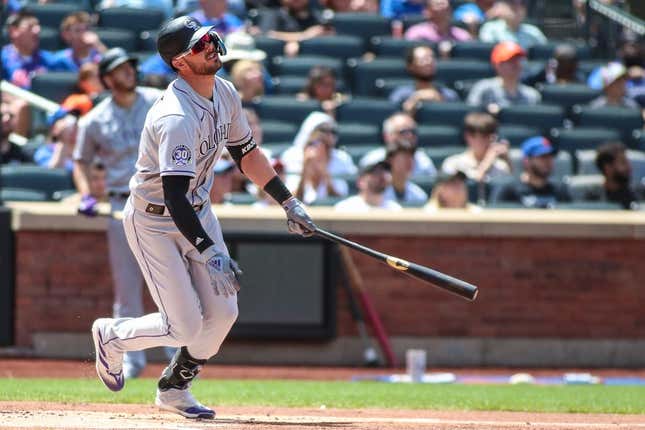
81	174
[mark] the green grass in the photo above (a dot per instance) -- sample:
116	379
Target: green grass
584	399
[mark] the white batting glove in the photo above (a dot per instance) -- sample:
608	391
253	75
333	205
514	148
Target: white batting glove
223	271
298	221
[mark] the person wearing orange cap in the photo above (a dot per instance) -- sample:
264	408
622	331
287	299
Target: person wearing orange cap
505	89
510	26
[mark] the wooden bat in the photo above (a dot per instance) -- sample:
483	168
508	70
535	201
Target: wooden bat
434	277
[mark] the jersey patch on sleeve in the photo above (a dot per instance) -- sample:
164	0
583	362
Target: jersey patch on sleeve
181	156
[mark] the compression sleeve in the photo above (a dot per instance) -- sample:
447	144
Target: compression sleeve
175	188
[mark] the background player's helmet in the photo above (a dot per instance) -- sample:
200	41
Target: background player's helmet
112	59
180	34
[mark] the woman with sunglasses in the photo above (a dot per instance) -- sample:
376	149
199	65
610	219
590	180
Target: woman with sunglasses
171	229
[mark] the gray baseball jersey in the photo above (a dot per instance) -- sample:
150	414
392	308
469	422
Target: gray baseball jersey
184	134
112	134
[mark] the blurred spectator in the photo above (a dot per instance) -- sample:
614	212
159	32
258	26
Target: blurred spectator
562	68
165	6
89	82
505	89
473	14
450	192
534	190
186	7
58	151
510	26
397	9
222	188
314	182
612	162
400	156
22	59
321	86
12	6
438	26
96	184
368	6
421	66
340	162
247	77
373	180
84	44
215	12
241	46
614	88
293	22
400	129
486	158
9	151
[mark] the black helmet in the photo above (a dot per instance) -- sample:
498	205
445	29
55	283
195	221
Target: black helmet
112	59
180	34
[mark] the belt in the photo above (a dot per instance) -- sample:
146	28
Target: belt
155	209
123	195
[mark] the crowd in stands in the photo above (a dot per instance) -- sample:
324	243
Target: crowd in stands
363	103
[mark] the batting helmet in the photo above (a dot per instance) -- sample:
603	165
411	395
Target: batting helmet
181	34
112	59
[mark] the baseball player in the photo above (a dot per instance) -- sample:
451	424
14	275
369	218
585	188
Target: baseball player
170	226
111	133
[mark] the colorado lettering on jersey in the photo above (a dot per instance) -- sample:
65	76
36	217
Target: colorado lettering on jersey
221	133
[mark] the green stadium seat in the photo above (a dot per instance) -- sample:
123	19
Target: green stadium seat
301	65
289	84
580	185
364	25
543	116
132	19
463	87
52	14
240	198
277	148
272	47
387	46
365	110
278	131
365	73
439	153
582	138
350	134
439	135
449	71
473	50
410	20
625	120
517	134
327	201
119	37
589	206
544	52
55	86
567	95
36	178
358	151
385	86
443	113
283	108
340	46
50	39
11	194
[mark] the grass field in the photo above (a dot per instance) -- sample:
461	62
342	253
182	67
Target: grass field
527	398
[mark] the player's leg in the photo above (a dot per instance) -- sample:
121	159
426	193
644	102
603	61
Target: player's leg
128	285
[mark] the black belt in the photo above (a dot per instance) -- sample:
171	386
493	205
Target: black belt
123	195
152	208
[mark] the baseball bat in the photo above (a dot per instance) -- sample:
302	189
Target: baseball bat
434	277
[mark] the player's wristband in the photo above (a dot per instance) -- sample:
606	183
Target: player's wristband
276	189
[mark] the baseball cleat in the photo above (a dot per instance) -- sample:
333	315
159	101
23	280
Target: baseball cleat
109	365
183	403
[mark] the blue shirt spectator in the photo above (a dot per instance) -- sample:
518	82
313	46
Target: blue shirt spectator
401	8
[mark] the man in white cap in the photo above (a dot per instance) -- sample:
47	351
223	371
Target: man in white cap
614	81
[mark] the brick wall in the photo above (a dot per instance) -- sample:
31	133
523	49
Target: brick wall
546	287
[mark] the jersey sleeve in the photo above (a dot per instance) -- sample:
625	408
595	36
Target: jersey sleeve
176	146
85	147
240	132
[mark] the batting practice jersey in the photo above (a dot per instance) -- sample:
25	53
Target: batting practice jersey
185	134
112	134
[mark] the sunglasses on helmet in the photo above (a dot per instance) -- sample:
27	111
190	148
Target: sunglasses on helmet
200	45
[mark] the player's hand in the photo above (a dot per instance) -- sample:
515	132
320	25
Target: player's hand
87	206
223	271
298	220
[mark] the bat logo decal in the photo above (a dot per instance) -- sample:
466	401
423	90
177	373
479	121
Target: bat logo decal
397	263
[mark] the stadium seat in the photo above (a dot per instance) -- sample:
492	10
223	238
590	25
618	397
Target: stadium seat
132	19
350	134
283	108
544	52
449	71
580	185
365	110
463	87
472	50
288	84
410	20
625	120
241	198
365	73
358	151
517	134
328	201
11	194
582	138
443	113
439	153
567	95
36	178
542	116
119	37
387	46
50	39
340	46
364	25
562	164
439	135
278	131
385	86
587	163
272	47
51	15
54	86
301	65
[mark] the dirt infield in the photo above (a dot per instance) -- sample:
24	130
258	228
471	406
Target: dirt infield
32	415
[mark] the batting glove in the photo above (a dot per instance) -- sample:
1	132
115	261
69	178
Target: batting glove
223	271
298	221
87	206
